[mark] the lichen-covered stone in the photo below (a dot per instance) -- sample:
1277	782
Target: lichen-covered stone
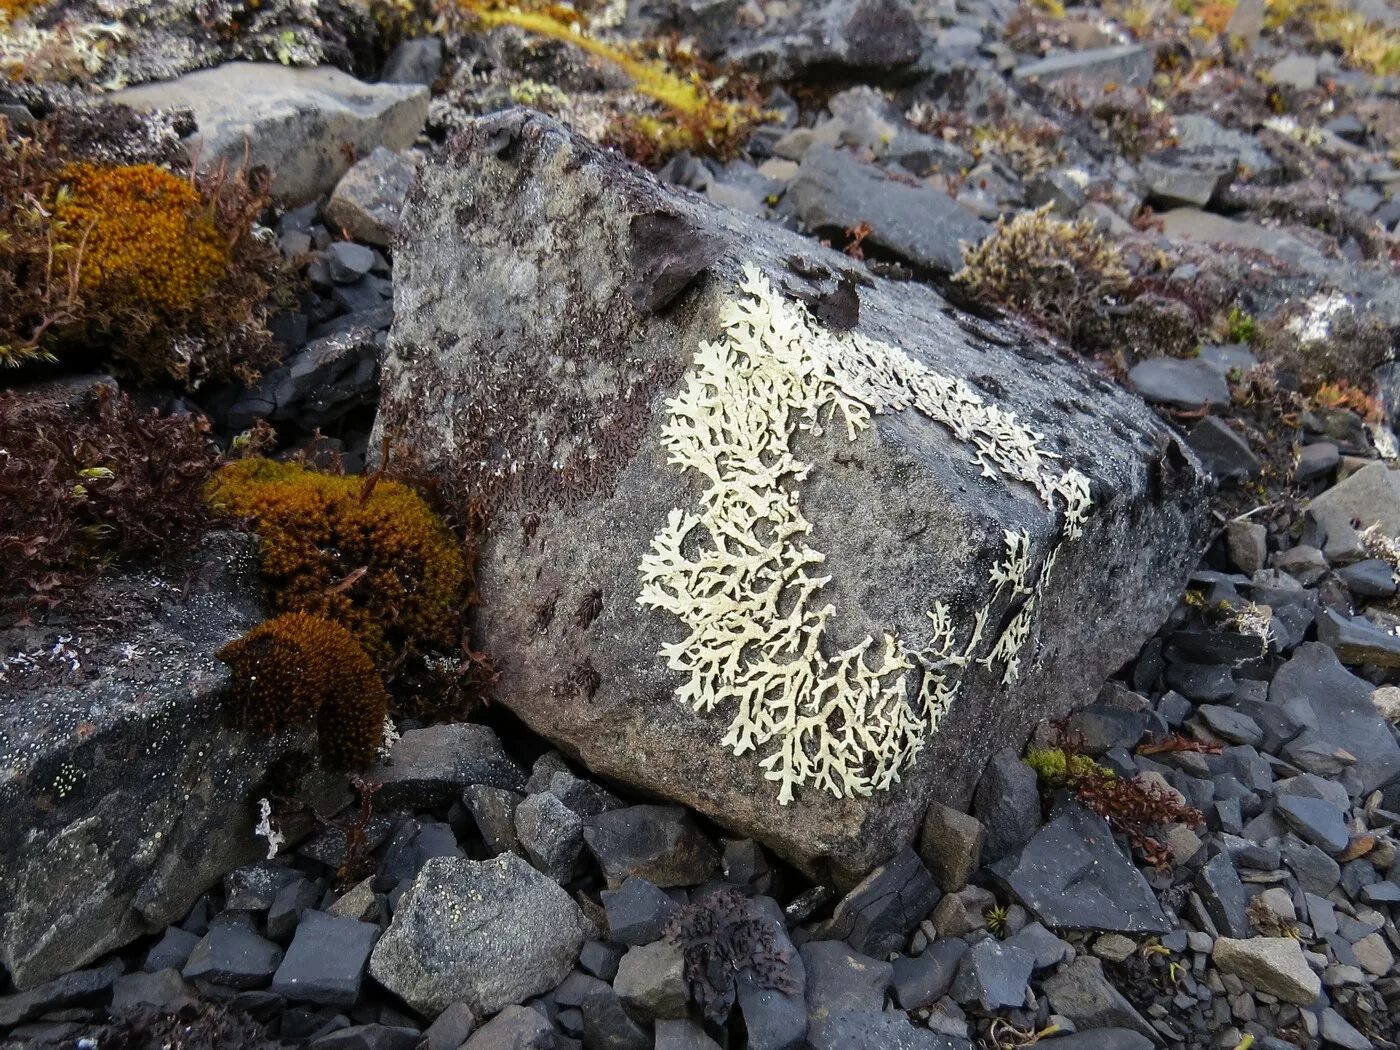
123	793
764	528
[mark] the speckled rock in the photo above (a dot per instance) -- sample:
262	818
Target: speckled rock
549	301
488	934
123	796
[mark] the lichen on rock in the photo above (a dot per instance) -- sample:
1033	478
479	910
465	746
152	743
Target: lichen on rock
757	644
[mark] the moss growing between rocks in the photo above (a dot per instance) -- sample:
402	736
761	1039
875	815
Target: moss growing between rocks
366	553
1056	273
130	265
295	668
93	482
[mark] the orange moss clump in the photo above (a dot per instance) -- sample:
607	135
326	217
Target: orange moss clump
368	554
296	667
143	234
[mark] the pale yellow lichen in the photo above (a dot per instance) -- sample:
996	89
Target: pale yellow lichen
742	579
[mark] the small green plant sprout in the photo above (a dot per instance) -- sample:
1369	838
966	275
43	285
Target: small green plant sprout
997	917
1240	327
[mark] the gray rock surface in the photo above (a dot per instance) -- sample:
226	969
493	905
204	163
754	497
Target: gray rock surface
368	198
326	960
136	732
429	766
1126	64
297	122
1072	875
835	191
602	259
488	934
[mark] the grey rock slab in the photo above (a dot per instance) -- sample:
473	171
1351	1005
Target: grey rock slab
662	844
1271	964
674	1034
172	951
1230	724
296	122
430	766
925	978
637	911
360	902
622	278
451	1029
840	38
347	262
163	991
1319	693
1180	176
840	980
368	198
608	1026
1045	948
1101	1038
1224	895
1073	875
1370	496
1316	821
1295	71
79	874
1225	453
416	61
1195	130
1178	382
774	1018
235	956
71	989
1082	993
877	915
1129	65
1356	640
370	1037
493	809
326	960
1007	802
835	190
487	934
994	975
1336	1030
874	1031
318	383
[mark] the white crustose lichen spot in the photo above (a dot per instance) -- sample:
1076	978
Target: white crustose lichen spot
755	645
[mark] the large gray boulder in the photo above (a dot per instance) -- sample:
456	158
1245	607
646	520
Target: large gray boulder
123	793
792	545
306	126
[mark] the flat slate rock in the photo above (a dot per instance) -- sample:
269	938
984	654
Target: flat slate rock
875	1031
326	960
431	766
835	190
1318	692
1072	875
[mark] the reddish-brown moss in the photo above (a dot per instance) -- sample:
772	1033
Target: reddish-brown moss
369	555
296	668
91	480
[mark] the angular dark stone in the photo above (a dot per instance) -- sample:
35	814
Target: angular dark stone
1225	897
637	911
994	975
1316	821
1179	382
326	960
451	1028
659	843
775	1018
72	989
606	1025
172	951
1072	875
370	1037
874	1031
431	766
1225	453
1047	949
951	845
290	904
234	956
1230	724
1007	802
926	978
493	809
1082	993
163	991
840	980
1319	693
878	914
1098	728
600	959
682	1035
254	887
